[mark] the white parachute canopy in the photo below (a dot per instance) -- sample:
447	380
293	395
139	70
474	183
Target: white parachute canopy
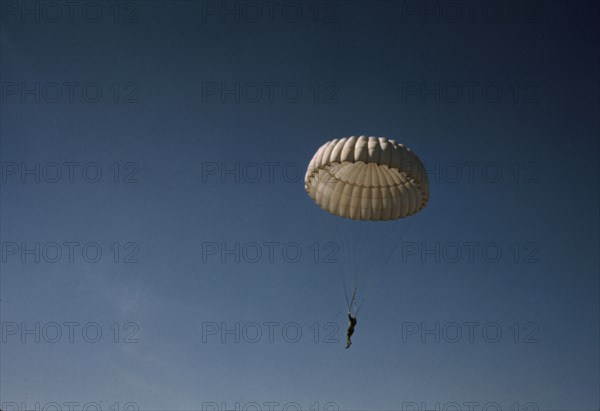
367	178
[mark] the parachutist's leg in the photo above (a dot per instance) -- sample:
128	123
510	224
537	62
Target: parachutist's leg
349	333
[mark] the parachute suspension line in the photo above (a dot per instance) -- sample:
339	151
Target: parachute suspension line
368	247
348	255
360	306
366	160
344	262
352	302
362	258
396	245
351	246
389	257
396	236
356	271
346	259
349	250
345	291
358	253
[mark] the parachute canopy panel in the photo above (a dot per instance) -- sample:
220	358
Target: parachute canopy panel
367	178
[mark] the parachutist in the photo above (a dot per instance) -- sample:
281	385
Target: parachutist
366	178
350	330
351	318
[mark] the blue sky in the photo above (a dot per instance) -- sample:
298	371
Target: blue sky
223	278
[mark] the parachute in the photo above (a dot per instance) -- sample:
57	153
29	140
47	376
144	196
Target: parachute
367	178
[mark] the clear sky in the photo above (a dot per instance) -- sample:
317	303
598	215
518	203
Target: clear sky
159	251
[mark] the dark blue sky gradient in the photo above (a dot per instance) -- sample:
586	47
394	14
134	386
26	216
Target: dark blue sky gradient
388	68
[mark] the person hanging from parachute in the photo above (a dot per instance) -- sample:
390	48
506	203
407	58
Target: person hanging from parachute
366	178
351	318
350	330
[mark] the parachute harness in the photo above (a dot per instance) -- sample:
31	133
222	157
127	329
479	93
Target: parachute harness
352	303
